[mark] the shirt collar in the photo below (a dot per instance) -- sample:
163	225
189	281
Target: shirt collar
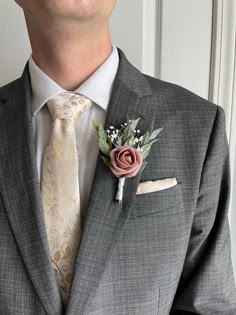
97	87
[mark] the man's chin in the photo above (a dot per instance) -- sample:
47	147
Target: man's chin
70	9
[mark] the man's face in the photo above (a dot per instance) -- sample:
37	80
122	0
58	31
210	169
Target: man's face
72	9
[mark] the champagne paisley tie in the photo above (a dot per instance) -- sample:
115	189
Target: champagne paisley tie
60	187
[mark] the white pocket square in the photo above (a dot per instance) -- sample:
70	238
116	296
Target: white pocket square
156	185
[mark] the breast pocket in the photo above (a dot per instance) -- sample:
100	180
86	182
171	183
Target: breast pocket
149	203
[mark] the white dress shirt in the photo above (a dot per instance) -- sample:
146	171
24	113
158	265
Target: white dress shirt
98	88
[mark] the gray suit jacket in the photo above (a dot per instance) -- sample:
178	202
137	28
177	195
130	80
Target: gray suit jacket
166	252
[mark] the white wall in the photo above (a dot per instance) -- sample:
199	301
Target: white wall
14	48
186	44
127	29
183	47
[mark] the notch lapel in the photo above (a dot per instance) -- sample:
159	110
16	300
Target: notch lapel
20	191
106	220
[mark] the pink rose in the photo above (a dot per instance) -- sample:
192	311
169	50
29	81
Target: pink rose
125	161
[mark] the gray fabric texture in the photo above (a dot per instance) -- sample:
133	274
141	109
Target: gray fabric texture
166	252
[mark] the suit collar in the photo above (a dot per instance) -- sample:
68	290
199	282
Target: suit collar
132	78
20	189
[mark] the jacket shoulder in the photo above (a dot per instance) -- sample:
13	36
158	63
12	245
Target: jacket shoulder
8	88
180	97
191	109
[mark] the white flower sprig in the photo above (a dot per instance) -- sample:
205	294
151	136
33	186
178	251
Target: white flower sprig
116	134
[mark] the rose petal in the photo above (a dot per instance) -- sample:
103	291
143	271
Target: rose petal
121	161
122	165
123	158
129	157
125	161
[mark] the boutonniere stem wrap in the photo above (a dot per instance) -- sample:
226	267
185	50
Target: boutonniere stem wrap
124	150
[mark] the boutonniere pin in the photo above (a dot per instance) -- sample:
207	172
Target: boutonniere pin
124	150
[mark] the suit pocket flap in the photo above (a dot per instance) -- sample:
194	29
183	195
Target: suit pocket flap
156	201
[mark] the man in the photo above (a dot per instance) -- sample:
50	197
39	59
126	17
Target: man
165	252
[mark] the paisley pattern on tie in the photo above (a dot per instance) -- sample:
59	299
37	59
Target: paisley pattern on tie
60	187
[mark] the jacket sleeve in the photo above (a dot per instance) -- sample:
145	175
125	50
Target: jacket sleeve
207	285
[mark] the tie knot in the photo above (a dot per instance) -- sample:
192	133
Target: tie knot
68	106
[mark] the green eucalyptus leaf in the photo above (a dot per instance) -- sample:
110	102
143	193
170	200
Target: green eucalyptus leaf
152	126
129	129
155	133
134	123
146	138
95	125
102	133
146	148
127	141
127	133
119	140
109	142
104	147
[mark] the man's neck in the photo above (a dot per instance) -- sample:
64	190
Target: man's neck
69	58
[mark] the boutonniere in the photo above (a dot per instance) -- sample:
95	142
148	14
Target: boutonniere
124	150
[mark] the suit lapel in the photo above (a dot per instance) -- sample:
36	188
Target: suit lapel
21	196
105	220
20	191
